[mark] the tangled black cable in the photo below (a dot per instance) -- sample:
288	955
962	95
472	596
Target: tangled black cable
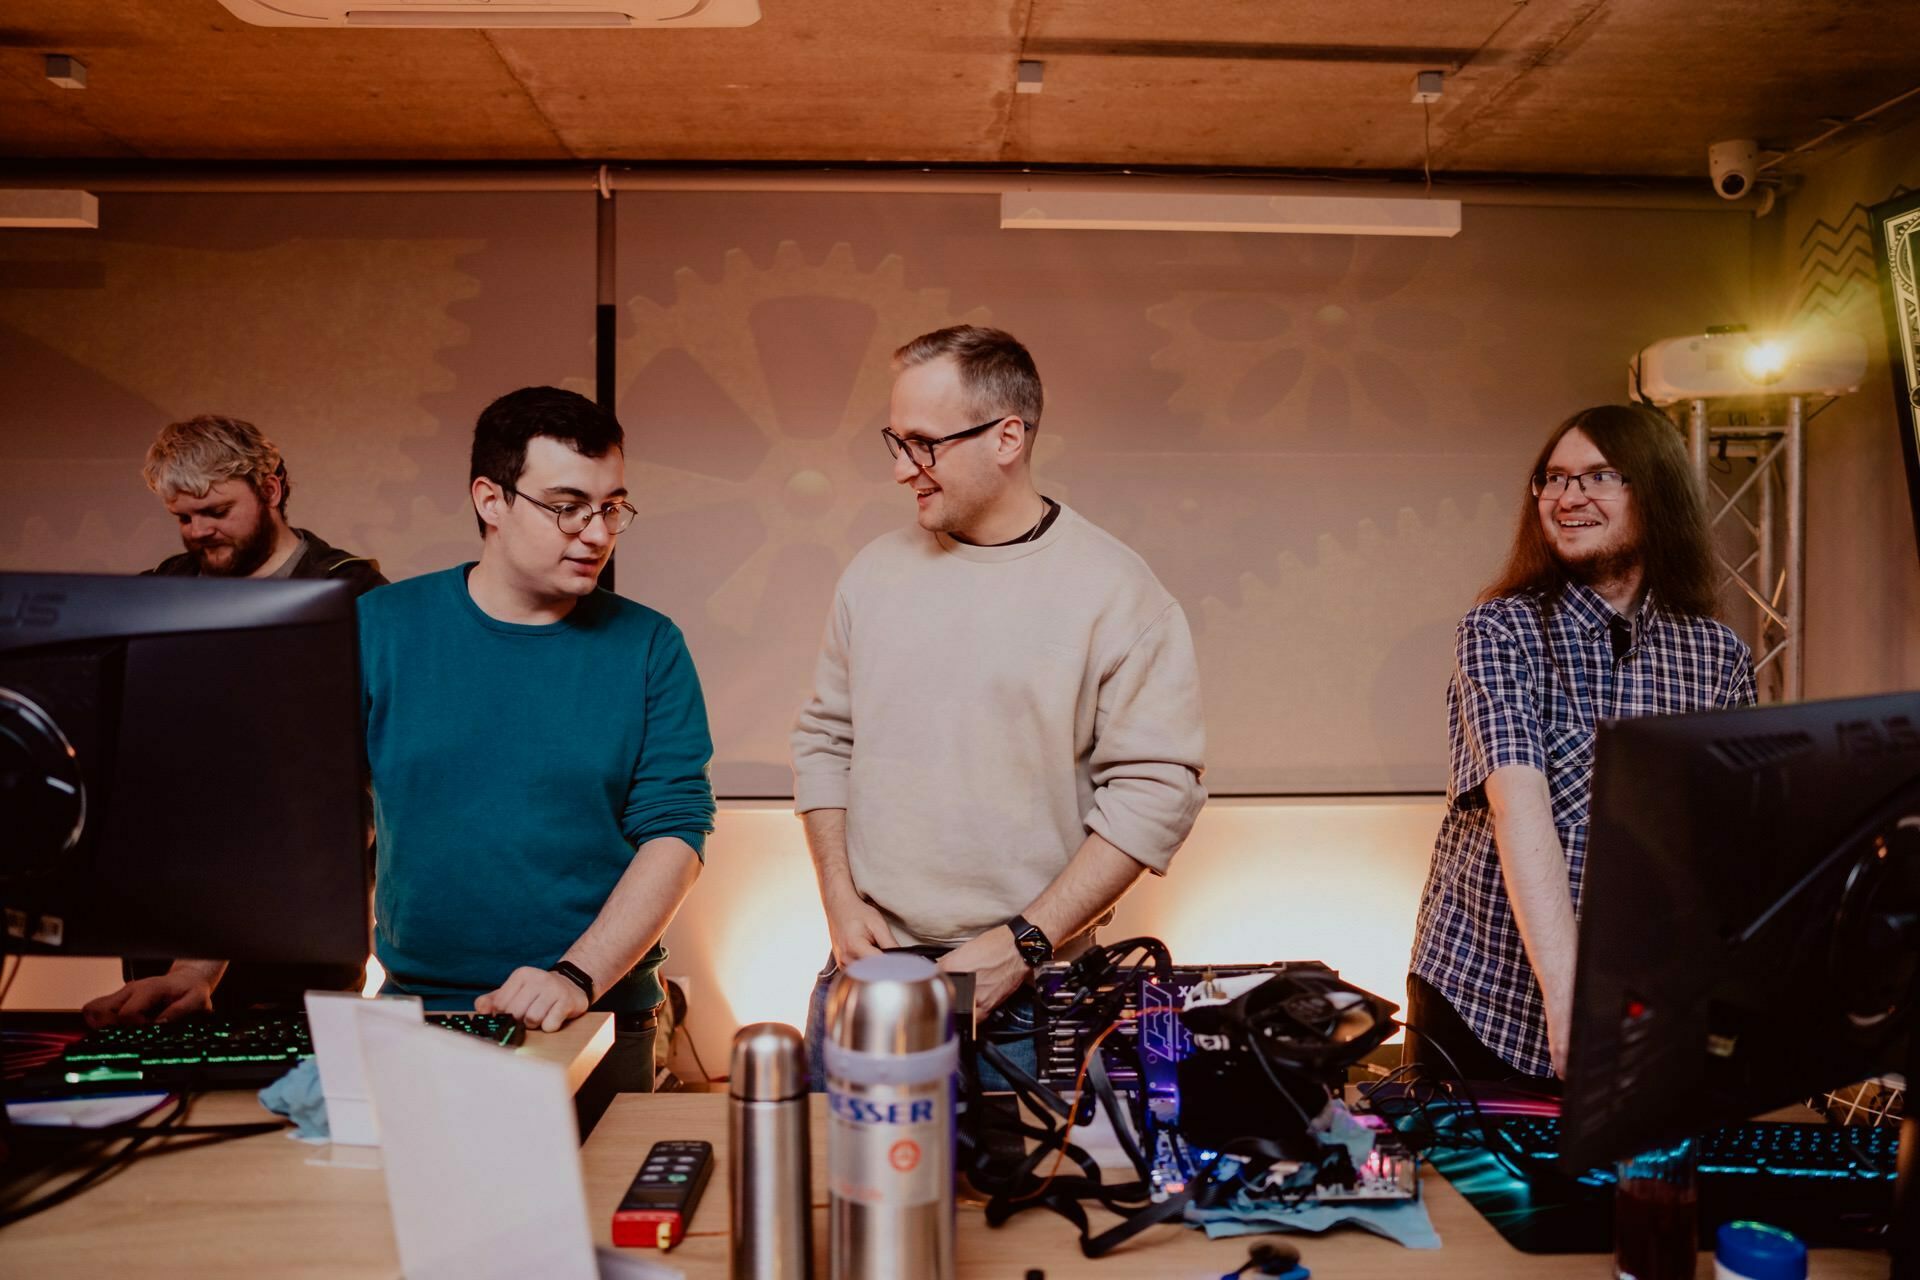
1454	1090
1295	1034
136	1135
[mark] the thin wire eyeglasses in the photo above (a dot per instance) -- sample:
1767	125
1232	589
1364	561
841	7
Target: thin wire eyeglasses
574	517
1603	484
920	452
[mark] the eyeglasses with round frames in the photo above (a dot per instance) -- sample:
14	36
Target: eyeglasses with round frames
920	452
574	517
1602	484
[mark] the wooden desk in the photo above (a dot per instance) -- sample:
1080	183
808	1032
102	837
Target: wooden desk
260	1206
1471	1250
251	1207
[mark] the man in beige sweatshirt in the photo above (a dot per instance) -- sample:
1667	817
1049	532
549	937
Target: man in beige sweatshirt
1005	726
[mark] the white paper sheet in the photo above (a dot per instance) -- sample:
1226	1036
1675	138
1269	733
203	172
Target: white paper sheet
482	1157
334	1018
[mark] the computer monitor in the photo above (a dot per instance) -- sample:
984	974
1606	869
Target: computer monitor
182	769
1750	920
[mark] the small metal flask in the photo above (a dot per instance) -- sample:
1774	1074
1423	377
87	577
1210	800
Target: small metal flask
768	1168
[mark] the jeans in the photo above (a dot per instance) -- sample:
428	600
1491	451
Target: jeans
627	1068
630	1061
1017	1017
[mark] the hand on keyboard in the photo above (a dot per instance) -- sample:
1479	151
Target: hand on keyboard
184	990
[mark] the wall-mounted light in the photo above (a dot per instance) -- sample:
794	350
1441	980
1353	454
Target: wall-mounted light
45	207
1177	211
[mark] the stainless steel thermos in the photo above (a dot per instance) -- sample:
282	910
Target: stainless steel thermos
890	1057
771	1218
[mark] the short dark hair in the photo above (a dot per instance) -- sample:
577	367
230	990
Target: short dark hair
501	434
1676	542
996	370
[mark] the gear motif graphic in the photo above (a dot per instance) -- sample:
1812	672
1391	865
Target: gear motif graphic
753	403
1312	722
164	331
809	485
1348	324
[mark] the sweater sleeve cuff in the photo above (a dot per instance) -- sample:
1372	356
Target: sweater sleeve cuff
694	838
819	791
1149	840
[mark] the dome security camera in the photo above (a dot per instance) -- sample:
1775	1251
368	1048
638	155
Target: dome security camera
1735	167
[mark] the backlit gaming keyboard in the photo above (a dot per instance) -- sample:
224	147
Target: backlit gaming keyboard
1756	1150
239	1051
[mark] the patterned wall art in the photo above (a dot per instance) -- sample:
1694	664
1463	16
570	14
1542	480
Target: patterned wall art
1896	239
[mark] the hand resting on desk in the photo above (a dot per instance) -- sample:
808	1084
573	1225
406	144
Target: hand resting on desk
539	999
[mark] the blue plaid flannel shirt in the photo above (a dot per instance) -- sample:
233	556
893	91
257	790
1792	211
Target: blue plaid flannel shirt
1507	705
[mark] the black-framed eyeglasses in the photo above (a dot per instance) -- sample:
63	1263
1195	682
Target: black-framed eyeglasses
1605	483
574	517
920	452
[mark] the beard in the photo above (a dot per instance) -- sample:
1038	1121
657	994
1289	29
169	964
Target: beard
1603	564
249	551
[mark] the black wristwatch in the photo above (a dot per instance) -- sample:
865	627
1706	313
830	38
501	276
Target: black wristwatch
1033	944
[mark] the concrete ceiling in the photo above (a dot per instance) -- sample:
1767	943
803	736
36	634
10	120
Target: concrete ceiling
1598	87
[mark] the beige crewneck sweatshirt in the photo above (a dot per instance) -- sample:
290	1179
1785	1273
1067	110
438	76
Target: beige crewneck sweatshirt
977	710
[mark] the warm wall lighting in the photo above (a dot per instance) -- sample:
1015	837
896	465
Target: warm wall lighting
1257	881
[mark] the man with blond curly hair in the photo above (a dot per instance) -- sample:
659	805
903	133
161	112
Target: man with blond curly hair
226	484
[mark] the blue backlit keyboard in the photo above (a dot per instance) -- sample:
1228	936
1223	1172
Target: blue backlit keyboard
1759	1149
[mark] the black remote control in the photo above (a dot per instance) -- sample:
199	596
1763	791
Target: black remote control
659	1204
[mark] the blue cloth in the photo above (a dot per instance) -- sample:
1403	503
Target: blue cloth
1403	1221
515	771
297	1096
1530	683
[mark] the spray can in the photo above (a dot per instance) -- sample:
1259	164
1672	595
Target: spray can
891	1056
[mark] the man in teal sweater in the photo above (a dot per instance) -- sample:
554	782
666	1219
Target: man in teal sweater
538	746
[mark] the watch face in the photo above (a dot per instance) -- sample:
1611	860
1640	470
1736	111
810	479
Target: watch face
1033	946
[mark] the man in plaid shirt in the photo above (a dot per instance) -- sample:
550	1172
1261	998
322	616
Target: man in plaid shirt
1605	609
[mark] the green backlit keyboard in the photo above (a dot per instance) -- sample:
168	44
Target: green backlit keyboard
239	1051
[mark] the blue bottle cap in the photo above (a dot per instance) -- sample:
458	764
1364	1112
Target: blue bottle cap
1760	1252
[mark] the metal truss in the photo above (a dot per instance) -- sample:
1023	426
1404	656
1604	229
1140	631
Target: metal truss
1765	514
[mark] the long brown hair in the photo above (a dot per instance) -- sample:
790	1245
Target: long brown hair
1676	545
